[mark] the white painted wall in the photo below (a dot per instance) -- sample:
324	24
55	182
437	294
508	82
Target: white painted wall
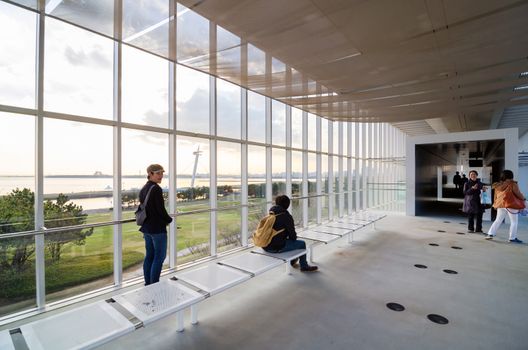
511	147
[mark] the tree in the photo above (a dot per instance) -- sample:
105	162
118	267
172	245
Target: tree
60	214
17	214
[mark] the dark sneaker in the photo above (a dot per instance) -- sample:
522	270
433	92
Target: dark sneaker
479	231
515	240
489	237
294	263
309	268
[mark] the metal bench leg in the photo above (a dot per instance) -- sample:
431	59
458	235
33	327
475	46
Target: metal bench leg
288	267
179	321
194	314
350	236
310	254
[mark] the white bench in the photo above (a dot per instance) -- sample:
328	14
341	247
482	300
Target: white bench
318	237
155	301
82	328
285	256
6	343
252	263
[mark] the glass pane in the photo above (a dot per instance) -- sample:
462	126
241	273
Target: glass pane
87	252
256	172
17	274
193	237
192	157
192	38
297	172
324	135
140	148
146	25
256	61
256	117
229	173
297	128
17	62
324	173
257	210
312	174
192	97
228	110
77	173
145	88
228	183
228	231
29	3
228	54
278	172
97	15
296	210
336	137
78	71
345	139
278	123
312	132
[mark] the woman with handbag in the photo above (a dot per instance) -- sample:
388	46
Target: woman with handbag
508	201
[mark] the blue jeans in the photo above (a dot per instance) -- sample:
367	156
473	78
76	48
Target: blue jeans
156	251
292	245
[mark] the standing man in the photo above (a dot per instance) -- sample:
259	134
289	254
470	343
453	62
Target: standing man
154	227
287	239
456	180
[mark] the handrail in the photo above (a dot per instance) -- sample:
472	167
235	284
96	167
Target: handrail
47	231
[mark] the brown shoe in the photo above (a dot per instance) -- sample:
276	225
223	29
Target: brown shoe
294	263
309	268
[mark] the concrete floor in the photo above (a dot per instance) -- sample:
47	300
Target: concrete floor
344	305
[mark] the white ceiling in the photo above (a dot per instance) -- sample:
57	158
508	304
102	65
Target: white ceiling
426	66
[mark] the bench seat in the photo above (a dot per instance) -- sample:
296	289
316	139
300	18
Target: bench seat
213	278
85	327
6	343
252	263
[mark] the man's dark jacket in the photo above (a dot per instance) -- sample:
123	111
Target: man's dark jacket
283	220
157	217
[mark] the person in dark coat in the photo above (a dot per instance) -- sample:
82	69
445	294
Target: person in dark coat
154	227
287	239
472	205
457	180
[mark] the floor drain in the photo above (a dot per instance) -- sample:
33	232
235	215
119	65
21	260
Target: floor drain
460	233
462	223
455	247
395	307
447	222
441	231
451	272
420	266
433	244
437	319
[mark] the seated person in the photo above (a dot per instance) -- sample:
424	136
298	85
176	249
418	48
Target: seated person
287	239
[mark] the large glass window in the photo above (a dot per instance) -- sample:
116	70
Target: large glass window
312	132
17	184
336	137
297	128
278	172
77	190
192	97
312	188
228	184
297	172
228	110
140	148
193	38
192	183
17	61
256	68
146	25
228	54
145	93
278	123
78	76
324	135
256	185
256	117
97	15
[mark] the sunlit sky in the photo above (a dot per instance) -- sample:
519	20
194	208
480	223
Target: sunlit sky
78	79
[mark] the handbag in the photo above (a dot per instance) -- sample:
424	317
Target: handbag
511	201
141	212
